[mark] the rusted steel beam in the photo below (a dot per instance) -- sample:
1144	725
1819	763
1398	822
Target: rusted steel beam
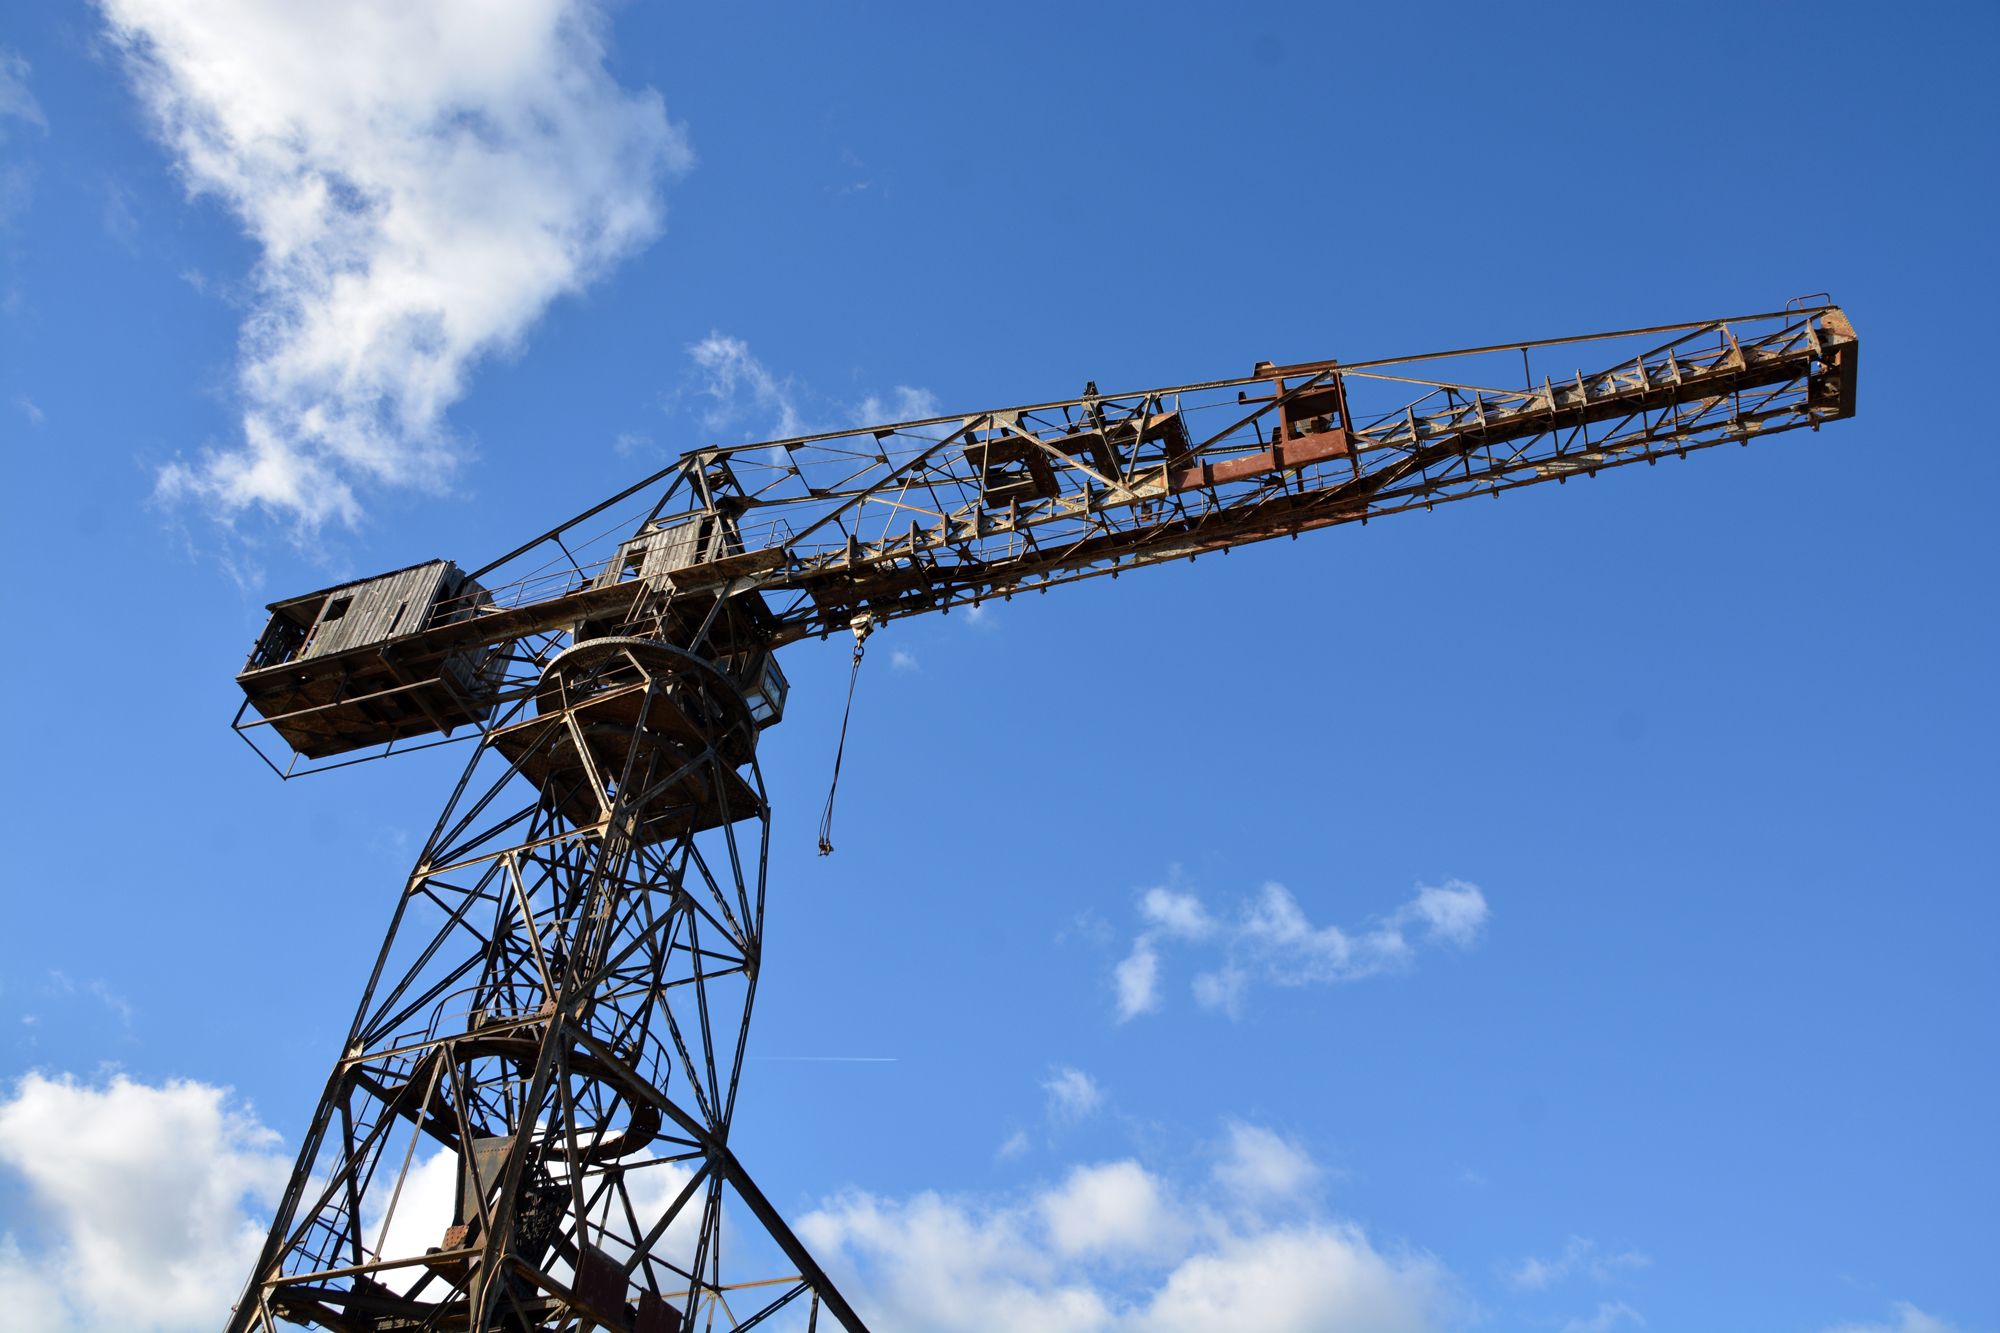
585	921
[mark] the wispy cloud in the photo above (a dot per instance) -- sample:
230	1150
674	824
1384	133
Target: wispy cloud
17	101
742	392
741	396
421	182
902	404
1260	1165
904	661
113	1001
18	107
1177	915
1271	938
1136	979
1909	1319
118	217
1579	1256
1610	1314
1073	1094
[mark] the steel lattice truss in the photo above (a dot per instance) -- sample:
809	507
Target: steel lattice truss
745	548
562	1001
905	519
564	996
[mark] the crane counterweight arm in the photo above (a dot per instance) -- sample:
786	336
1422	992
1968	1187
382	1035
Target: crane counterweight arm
734	551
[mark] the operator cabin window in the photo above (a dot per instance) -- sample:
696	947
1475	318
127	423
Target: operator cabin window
767	697
335	609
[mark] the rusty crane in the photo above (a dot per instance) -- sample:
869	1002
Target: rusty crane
562	1000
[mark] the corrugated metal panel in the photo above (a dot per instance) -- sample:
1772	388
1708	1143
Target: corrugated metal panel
629	555
677	547
657	554
377	609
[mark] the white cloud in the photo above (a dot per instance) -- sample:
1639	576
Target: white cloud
1172	915
1113	1249
1537	1274
1137	979
152	1195
1116	1206
157	1200
1073	1094
1579	1256
1272	938
738	384
1607	1267
928	1263
1313	1279
1909	1319
16	101
1454	912
28	409
1296	952
1178	915
1223	989
905	404
904	661
632	442
1609	1315
421	181
1259	1165
113	1001
741	395
424	1208
1015	1146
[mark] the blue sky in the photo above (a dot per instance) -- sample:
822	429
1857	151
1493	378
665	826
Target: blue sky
1712	740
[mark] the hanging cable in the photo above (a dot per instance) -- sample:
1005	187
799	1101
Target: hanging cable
862	625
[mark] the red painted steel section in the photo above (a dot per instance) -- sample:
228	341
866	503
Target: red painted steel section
1278	458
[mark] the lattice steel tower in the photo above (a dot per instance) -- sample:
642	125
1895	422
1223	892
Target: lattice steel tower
562	1003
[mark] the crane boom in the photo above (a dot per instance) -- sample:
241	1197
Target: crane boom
734	551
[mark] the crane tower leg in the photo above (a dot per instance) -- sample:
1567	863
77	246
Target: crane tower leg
556	1024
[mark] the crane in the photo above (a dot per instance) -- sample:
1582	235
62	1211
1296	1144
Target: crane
562	1000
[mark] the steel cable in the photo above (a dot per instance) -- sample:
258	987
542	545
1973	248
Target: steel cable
862	626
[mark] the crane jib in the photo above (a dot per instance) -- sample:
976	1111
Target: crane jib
736	551
562	1003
